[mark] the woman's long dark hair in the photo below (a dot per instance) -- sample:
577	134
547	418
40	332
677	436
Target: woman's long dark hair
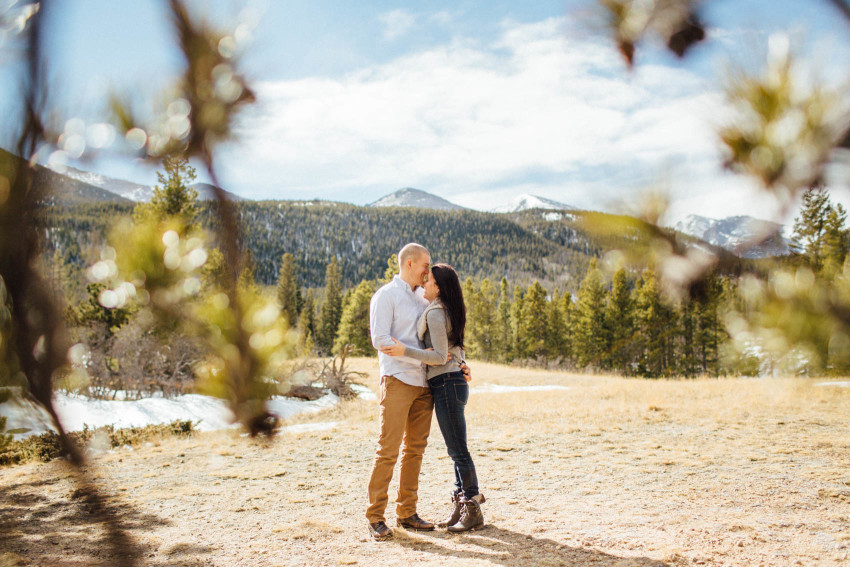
451	295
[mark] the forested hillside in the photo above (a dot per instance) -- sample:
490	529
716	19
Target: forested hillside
553	248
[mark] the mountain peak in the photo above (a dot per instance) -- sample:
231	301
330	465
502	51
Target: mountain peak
527	201
737	233
410	197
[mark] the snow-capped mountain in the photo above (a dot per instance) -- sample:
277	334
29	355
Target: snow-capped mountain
134	191
737	234
410	197
525	202
127	189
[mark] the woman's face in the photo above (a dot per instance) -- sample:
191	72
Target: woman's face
431	289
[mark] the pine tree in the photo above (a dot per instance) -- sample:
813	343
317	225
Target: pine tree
473	319
589	333
392	269
685	361
503	347
213	274
247	279
655	325
556	328
331	308
487	317
173	197
287	290
810	228
517	347
354	322
619	321
533	322
567	309
835	241
307	325
710	330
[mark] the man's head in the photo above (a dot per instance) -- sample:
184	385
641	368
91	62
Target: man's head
414	263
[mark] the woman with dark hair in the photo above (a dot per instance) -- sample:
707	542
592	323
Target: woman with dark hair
440	330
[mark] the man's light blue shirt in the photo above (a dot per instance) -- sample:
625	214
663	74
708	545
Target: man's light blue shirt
393	312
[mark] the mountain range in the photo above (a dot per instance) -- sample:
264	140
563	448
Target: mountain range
736	234
745	236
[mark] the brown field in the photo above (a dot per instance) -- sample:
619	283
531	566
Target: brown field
611	472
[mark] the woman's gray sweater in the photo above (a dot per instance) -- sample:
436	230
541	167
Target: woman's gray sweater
437	337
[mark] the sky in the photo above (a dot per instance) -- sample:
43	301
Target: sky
477	102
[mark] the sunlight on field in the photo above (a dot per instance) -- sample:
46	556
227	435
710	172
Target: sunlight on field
603	471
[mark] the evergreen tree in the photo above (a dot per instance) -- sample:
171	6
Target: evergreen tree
473	318
213	271
556	328
655	324
307	325
247	279
710	331
354	322
503	348
331	308
287	290
619	321
835	241
93	311
517	347
392	269
533	322
685	361
173	197
487	330
567	310
589	334
810	228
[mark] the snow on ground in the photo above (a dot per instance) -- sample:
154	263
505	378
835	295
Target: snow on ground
207	413
844	384
76	412
499	389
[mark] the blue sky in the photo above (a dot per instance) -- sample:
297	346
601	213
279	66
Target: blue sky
477	102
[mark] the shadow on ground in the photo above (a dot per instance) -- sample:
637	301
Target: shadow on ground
515	549
40	527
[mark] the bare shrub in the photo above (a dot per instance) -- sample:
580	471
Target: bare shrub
139	361
336	378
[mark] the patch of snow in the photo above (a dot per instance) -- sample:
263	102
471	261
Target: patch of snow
306	427
843	384
499	389
363	392
208	413
525	202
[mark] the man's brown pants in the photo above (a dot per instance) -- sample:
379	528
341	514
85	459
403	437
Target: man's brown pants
405	412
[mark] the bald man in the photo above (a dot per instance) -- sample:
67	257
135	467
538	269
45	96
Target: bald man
406	404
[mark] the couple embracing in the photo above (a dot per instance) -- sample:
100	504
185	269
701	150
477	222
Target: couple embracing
417	322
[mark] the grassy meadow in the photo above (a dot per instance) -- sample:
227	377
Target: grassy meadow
605	472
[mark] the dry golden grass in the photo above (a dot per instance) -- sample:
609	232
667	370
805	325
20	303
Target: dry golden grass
609	472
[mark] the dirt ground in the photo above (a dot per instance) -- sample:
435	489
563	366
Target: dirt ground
609	472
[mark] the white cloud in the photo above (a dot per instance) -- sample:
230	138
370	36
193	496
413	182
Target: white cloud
396	23
536	111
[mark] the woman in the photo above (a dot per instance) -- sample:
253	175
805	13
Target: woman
440	330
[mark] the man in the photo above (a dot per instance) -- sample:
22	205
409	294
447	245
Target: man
406	404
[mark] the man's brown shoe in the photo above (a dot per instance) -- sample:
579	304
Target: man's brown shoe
380	531
415	523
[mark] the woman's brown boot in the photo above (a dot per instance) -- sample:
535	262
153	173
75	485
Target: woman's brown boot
471	517
455	515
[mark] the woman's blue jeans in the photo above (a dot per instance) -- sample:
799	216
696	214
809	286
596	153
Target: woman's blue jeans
451	392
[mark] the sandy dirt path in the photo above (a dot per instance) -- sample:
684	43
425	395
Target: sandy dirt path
605	472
